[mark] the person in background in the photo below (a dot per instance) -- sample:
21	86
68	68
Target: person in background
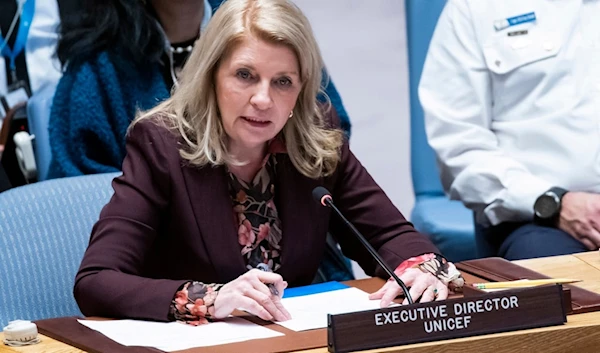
121	56
511	94
217	182
28	39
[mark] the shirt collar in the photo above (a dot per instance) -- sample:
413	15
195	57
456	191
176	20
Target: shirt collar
275	146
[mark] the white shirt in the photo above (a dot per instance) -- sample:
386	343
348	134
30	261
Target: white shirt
511	116
43	66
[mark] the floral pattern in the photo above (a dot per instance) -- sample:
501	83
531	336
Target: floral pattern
438	266
259	235
259	226
194	303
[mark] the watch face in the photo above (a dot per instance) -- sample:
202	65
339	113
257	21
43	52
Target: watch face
546	206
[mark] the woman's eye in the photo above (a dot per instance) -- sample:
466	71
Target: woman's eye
244	75
284	82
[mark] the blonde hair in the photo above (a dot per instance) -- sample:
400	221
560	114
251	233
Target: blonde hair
192	111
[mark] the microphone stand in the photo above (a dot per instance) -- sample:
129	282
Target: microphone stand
373	252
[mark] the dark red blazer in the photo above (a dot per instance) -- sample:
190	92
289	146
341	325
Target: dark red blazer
168	223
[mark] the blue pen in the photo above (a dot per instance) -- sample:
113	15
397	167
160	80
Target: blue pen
265	267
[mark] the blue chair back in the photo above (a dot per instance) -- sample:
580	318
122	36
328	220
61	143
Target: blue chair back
38	115
44	231
421	19
448	223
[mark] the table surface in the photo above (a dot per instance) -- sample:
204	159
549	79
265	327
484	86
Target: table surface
581	333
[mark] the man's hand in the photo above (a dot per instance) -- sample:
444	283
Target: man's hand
580	217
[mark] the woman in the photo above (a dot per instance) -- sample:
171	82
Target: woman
218	179
120	56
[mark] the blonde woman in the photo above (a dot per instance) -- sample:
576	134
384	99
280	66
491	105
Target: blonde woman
217	182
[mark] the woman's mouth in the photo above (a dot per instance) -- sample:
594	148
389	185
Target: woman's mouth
255	121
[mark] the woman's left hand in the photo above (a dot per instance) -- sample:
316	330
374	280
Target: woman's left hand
421	284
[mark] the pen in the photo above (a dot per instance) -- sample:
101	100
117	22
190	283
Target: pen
271	286
524	283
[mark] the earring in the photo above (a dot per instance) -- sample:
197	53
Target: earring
291	114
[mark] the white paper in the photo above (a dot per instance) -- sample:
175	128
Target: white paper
175	336
310	311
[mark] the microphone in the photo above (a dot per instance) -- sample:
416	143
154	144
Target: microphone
323	196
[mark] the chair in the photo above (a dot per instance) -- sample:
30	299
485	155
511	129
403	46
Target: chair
38	115
447	222
44	231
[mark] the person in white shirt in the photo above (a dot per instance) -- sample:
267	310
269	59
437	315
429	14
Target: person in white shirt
511	94
28	62
37	63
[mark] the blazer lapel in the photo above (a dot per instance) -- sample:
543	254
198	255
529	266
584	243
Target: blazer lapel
213	209
303	220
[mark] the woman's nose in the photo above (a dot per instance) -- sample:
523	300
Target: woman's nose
261	98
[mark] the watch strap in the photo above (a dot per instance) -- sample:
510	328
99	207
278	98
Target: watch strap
558	191
552	221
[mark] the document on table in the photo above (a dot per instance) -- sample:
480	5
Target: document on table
175	336
310	311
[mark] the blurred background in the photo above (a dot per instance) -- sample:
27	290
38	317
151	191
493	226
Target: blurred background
364	46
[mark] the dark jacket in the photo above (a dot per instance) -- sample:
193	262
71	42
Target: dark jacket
169	223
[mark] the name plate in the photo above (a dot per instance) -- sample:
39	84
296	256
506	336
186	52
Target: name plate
501	311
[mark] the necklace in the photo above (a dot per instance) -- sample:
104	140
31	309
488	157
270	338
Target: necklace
180	50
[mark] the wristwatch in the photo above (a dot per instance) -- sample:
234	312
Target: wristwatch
546	208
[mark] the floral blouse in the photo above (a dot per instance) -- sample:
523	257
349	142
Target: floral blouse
259	235
259	226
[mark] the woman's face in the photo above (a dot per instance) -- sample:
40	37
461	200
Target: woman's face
257	86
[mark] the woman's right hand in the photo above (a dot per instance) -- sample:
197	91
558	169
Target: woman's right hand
250	292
